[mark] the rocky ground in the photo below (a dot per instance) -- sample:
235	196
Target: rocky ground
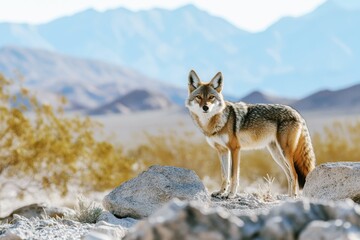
172	203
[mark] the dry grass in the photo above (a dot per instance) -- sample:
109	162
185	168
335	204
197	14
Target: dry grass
337	142
86	211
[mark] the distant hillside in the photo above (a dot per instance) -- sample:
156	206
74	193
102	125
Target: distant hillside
134	101
259	97
347	99
294	56
86	83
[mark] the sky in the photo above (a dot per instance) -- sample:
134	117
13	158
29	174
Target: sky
250	15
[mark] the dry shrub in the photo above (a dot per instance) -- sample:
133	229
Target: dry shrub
339	141
86	211
52	152
194	153
169	148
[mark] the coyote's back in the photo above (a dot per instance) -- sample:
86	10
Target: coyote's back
284	132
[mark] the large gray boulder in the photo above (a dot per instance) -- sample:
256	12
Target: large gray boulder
144	194
334	181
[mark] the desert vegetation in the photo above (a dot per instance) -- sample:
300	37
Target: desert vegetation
45	149
48	151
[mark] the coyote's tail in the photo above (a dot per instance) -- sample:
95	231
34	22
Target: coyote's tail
304	157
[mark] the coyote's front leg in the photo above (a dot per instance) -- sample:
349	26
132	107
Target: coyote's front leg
235	171
224	155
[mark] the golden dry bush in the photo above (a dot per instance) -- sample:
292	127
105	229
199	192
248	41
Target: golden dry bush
170	148
339	141
52	152
193	152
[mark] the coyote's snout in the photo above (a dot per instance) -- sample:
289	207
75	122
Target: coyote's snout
230	127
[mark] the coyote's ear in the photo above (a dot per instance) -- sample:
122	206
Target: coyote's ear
194	81
217	82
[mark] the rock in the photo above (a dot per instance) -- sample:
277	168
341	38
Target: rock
48	228
96	236
39	210
123	222
336	229
143	195
10	236
20	228
334	181
244	204
184	220
289	220
105	231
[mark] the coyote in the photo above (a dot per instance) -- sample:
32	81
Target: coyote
230	127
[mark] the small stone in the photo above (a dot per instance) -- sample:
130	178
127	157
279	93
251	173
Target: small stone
110	218
104	231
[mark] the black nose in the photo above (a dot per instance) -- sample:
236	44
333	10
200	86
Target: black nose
205	108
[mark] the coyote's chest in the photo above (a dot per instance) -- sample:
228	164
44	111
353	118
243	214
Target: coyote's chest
210	125
220	139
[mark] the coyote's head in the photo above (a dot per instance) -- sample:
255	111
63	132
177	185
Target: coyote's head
205	98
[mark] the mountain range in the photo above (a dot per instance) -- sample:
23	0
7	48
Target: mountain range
291	58
95	87
134	101
345	100
87	84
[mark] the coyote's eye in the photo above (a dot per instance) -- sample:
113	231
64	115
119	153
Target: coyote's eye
211	97
198	97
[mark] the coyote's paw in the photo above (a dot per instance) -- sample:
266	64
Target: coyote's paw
231	195
217	194
221	194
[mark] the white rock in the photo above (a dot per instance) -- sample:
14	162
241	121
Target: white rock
330	230
110	218
334	181
105	231
10	236
96	236
143	195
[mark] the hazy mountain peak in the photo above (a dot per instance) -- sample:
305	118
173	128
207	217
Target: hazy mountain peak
261	97
347	4
189	8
